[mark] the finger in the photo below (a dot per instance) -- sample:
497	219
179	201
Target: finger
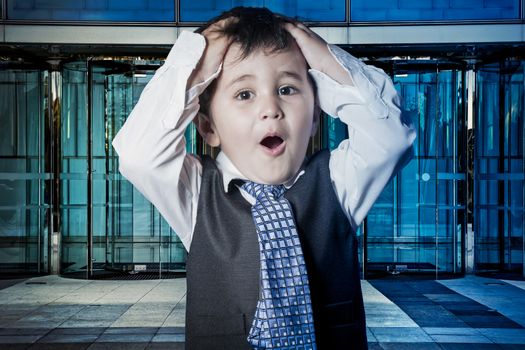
303	27
297	33
292	28
300	26
220	25
302	33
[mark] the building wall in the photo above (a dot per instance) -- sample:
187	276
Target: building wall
65	208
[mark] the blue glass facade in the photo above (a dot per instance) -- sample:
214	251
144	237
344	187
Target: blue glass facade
499	166
306	10
418	222
24	202
125	228
59	173
93	10
433	10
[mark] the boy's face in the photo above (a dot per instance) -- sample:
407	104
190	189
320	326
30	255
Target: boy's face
262	113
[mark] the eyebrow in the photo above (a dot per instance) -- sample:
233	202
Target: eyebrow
292	75
286	73
240	78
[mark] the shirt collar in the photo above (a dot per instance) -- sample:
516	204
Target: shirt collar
230	172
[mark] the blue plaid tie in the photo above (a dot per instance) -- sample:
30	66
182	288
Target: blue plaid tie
283	319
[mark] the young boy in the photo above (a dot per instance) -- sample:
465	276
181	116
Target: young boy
266	269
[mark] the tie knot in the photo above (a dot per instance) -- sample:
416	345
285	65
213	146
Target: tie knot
258	190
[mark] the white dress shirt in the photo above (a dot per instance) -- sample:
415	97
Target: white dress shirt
152	149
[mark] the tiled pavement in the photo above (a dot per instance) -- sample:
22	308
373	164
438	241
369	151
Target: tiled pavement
57	313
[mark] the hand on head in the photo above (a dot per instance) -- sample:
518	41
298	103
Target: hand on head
216	47
316	52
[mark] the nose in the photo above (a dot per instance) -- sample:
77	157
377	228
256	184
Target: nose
270	108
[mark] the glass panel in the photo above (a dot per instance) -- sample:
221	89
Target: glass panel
305	10
333	132
73	174
93	10
433	10
416	224
131	230
23	196
499	167
126	228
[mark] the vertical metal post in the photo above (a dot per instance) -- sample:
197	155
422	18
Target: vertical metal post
4	10
455	136
54	238
523	172
108	175
436	216
39	150
468	248
501	169
471	183
348	12
89	265
176	8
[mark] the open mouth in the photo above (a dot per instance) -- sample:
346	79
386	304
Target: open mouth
273	145
272	142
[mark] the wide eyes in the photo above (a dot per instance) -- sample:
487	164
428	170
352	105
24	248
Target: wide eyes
244	95
283	91
287	90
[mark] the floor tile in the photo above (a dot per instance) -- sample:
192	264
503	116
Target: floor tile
83	330
163	330
459	338
409	346
131	330
462	346
51	346
168	346
119	338
169	338
504	336
15	339
119	346
68	338
400	335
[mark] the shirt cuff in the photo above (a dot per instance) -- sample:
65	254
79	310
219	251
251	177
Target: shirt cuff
198	89
187	50
180	63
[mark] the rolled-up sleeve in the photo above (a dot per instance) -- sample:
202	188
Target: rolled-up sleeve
380	140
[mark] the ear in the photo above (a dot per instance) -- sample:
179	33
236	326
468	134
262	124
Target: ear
207	129
317	118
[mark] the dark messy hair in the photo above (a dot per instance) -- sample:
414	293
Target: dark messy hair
254	29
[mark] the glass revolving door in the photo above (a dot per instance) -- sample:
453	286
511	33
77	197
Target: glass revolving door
119	231
418	222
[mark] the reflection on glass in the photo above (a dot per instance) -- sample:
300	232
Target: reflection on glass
23	200
431	10
80	10
499	167
417	222
127	230
73	168
305	10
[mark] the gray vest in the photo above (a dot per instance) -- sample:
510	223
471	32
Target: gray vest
223	264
